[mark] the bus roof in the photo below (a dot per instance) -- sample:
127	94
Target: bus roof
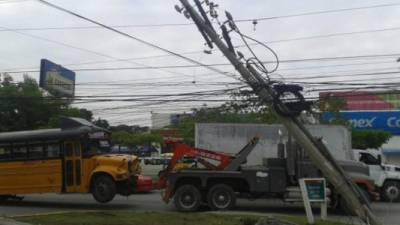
70	127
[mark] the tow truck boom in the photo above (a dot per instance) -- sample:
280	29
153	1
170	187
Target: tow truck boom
225	161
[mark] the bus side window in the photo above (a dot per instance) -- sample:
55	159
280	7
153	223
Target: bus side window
77	149
69	149
36	151
53	150
5	153
20	152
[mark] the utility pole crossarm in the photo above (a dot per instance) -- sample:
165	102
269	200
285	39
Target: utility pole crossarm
317	152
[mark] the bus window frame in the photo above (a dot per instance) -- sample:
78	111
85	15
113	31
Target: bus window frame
68	152
5	146
60	149
30	145
18	145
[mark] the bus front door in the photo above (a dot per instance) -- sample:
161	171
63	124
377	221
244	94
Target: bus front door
72	167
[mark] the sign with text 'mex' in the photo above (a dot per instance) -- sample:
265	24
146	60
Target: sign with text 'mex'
55	78
370	120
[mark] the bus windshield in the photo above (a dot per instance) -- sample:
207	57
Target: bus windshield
98	147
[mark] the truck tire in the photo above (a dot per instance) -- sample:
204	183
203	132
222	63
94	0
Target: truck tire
221	197
391	191
104	188
187	198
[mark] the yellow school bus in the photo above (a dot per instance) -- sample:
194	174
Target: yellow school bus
72	159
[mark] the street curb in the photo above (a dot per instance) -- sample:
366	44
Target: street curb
52	213
272	220
9	221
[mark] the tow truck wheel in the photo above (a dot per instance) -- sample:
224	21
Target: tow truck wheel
187	198
391	191
103	189
221	197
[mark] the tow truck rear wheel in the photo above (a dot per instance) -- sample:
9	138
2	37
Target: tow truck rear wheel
221	197
391	191
187	198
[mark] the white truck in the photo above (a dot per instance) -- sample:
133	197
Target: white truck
386	176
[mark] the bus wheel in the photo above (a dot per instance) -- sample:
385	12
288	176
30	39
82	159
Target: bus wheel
104	189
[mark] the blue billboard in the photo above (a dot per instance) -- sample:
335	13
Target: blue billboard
56	78
370	120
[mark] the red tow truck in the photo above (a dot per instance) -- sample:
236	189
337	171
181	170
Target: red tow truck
217	179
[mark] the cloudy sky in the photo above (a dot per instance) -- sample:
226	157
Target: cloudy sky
30	31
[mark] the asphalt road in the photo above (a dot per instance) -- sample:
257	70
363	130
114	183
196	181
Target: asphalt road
51	203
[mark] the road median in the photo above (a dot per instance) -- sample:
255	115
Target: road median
154	218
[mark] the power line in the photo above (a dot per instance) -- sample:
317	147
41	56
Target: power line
320	12
364	88
327	35
218	64
344	82
88	51
335	74
196	93
355	91
122	97
267	42
135	38
338	65
189	24
301	38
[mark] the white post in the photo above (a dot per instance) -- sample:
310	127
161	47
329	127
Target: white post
307	204
324	210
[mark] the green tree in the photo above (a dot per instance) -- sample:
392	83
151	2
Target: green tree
369	139
24	106
130	139
102	123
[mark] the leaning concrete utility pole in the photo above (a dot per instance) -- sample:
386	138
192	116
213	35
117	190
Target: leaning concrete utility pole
317	151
